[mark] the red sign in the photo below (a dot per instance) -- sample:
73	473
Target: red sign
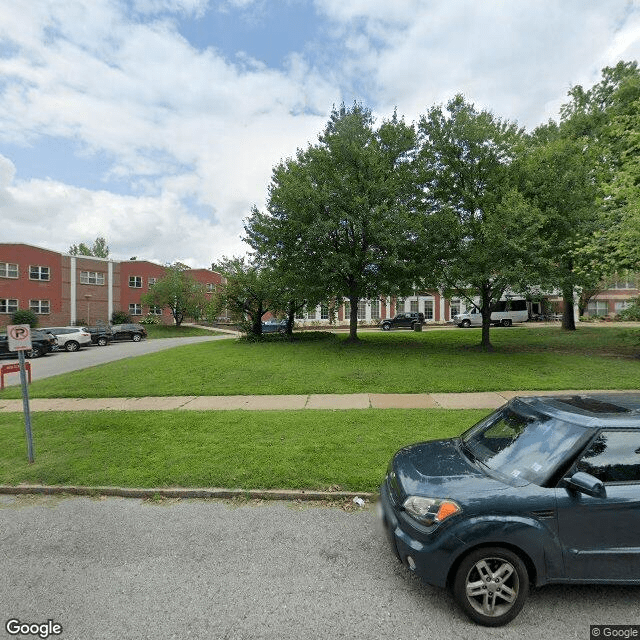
13	368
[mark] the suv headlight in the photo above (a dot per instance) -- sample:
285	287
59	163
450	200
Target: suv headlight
430	511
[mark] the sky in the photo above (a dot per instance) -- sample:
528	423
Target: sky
156	123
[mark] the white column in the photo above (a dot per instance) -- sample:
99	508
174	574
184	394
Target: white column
72	278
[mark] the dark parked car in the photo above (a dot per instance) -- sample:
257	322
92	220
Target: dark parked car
274	326
543	490
133	332
405	320
101	336
41	344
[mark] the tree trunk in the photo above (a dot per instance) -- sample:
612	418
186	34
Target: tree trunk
568	317
353	319
485	343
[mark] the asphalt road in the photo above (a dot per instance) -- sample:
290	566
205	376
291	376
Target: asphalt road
123	569
62	362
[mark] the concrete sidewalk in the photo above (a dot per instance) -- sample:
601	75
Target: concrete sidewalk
484	400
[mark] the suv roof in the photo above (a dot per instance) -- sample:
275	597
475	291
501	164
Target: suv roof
590	409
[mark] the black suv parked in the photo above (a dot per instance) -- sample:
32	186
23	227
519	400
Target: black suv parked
100	335
41	344
133	332
406	320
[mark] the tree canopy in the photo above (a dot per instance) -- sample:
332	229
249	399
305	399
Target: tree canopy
466	162
339	219
184	296
99	249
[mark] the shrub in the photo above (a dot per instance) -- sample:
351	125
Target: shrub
120	317
150	319
631	313
25	316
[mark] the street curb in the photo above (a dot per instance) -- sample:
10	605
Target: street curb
182	492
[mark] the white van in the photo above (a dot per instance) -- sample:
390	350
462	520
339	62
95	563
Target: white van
503	313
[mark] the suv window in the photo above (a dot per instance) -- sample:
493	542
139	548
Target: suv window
614	456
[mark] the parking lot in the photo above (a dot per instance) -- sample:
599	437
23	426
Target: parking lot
63	362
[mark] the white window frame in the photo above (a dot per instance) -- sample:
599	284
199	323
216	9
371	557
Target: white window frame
135	309
375	309
41	270
155	310
135	282
92	277
429	309
595	307
8	305
8	269
40	307
152	281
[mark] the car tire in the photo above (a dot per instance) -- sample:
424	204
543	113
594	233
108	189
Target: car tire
34	352
386	327
102	342
136	337
506	322
465	324
491	586
71	346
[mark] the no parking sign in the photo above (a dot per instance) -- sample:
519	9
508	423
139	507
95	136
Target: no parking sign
20	340
19	337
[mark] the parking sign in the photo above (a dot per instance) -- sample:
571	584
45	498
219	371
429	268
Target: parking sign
19	337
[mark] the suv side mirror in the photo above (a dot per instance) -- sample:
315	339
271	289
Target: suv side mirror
586	483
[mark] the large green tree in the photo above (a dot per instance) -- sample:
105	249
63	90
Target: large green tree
340	219
606	119
466	158
250	291
559	173
184	296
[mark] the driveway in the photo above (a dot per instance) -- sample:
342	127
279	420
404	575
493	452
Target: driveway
115	568
62	362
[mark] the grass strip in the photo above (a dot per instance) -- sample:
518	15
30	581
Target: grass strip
321	450
398	362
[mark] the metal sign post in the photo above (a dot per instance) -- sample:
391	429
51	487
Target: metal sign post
20	340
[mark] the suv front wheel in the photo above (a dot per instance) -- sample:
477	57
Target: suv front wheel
71	346
491	586
136	337
386	326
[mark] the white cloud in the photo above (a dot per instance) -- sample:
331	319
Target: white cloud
194	136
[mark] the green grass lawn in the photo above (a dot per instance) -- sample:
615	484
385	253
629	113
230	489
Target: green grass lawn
163	331
544	358
231	449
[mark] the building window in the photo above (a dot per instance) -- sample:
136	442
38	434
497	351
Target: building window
428	309
362	309
135	309
311	314
400	305
454	306
40	306
375	309
347	310
135	282
414	306
8	305
91	277
211	287
621	306
39	273
324	312
156	311
598	308
152	281
8	270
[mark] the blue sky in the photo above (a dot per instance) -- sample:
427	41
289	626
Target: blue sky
156	123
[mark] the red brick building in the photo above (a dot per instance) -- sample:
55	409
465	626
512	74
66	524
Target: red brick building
63	289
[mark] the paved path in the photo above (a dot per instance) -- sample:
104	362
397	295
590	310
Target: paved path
484	400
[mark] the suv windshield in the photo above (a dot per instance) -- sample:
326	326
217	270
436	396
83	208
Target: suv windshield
523	446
